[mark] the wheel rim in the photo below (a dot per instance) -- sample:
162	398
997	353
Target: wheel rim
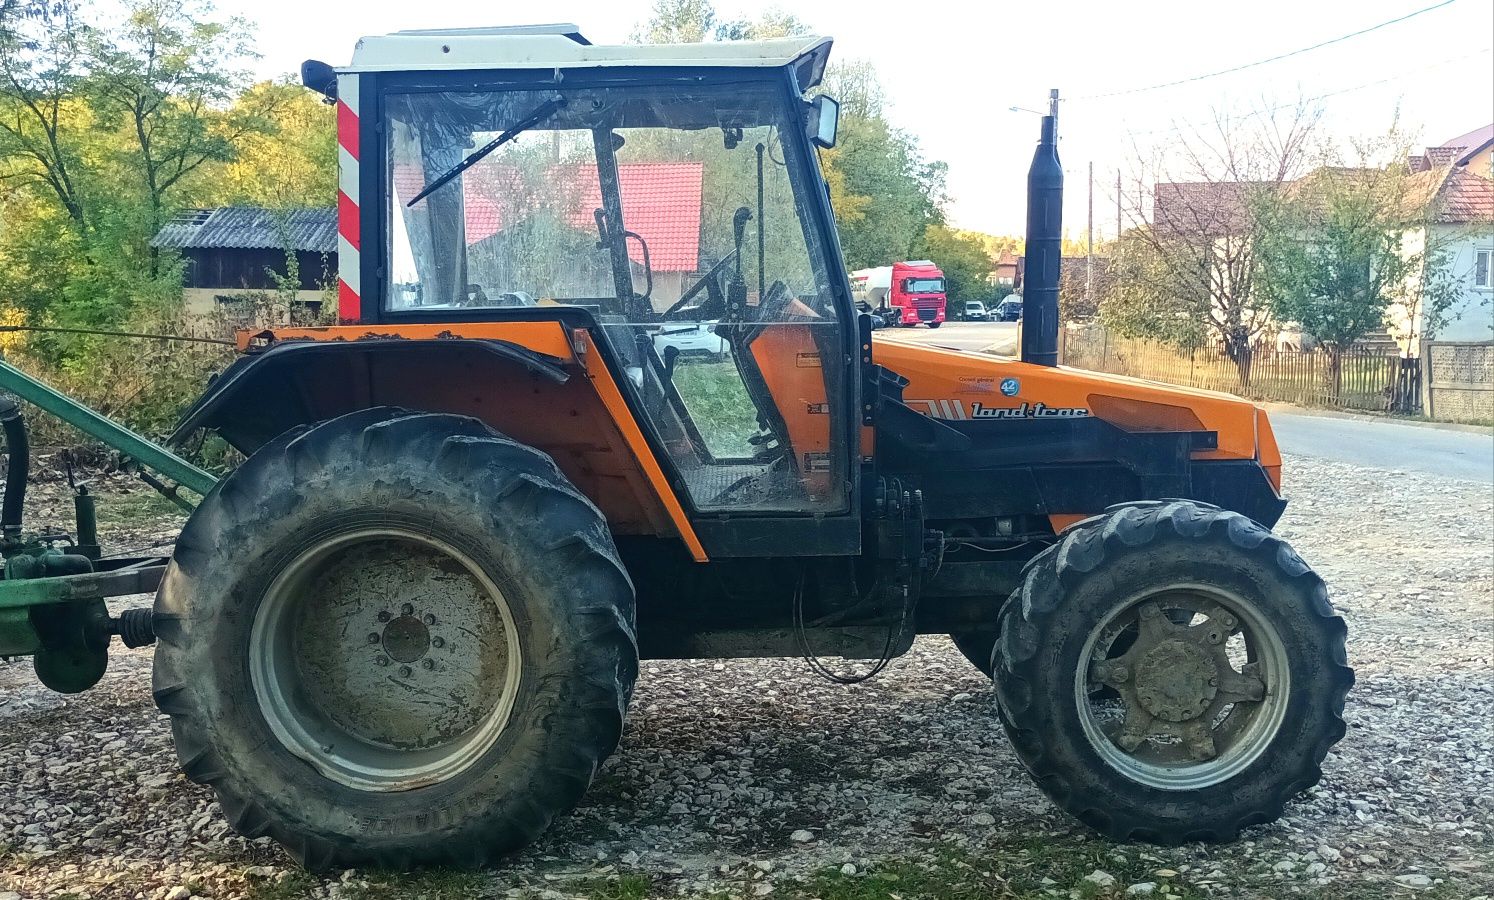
1182	688
386	659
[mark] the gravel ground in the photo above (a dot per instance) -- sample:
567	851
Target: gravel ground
754	778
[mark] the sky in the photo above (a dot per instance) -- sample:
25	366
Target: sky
952	69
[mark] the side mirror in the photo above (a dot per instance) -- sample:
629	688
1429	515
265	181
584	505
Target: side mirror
823	119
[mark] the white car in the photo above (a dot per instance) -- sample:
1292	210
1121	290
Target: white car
691	339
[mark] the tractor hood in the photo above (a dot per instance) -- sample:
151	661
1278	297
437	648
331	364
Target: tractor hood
954	385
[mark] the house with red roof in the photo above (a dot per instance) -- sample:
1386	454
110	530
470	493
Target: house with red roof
1459	179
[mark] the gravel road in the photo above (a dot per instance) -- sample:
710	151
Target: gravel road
753	778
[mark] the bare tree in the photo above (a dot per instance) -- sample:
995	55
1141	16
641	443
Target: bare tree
1187	269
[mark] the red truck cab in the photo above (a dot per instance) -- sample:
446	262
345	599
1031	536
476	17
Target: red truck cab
917	291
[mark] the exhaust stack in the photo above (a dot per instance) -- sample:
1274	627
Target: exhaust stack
1044	250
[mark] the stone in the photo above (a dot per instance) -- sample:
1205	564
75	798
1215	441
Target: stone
801	836
1100	878
1141	889
1414	880
177	893
983	819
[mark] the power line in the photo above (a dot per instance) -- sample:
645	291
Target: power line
1262	62
1180	126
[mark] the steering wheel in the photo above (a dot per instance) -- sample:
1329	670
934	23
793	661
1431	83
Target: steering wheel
715	300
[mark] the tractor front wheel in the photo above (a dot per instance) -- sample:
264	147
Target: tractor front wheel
395	638
1171	672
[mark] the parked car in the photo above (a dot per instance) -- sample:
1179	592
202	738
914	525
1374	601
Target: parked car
975	311
1010	309
691	339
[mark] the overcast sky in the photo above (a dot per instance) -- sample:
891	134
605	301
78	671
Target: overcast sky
952	69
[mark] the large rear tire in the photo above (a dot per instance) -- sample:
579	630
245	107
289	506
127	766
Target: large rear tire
1171	672
395	638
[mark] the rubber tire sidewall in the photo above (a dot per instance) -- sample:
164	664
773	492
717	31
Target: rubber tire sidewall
239	540
1048	621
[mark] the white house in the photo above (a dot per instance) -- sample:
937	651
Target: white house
1461	183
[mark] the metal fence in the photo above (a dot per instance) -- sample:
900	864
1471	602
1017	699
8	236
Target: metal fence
1367	380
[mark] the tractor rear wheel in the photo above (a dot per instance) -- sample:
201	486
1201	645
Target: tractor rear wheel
395	638
1171	672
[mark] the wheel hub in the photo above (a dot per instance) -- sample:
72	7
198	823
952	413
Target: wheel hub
1176	681
386	659
406	639
1186	714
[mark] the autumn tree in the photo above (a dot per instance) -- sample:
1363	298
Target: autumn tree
170	76
1187	273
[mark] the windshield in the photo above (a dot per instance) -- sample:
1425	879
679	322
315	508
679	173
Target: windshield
621	198
681	217
924	286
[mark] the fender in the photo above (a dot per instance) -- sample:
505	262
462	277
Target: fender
539	382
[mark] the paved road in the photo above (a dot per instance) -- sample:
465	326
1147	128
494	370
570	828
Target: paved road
1000	337
1379	444
1388	445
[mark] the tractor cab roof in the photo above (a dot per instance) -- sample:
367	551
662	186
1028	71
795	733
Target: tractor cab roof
562	46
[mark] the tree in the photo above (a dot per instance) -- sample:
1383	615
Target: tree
962	259
290	164
678	22
172	74
41	64
1336	256
1188	276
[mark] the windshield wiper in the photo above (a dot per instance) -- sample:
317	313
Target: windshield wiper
541	113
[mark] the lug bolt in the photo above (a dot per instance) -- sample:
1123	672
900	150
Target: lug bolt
429	619
1213	681
428	664
438	642
408	609
384	616
1150	611
1215	637
1120	673
406	671
381	660
373	637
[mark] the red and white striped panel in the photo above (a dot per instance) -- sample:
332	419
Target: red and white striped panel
349	290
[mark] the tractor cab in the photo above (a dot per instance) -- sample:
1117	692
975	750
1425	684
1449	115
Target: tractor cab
496	174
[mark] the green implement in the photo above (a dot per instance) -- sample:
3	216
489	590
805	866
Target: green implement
145	452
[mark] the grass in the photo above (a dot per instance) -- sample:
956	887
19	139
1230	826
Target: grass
137	508
1002	871
718	403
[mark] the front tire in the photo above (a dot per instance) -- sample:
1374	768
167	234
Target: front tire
1171	672
395	638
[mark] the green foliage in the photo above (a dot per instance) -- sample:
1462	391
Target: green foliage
1338	256
104	133
1149	298
964	261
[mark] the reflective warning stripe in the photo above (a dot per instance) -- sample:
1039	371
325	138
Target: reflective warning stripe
349	237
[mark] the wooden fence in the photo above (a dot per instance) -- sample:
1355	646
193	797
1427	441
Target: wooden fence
1368	380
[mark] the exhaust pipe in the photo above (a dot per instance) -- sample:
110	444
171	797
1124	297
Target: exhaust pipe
1044	247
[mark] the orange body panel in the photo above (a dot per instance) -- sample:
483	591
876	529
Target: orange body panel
798	390
949	384
583	424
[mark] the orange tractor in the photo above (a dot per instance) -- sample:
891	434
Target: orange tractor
600	393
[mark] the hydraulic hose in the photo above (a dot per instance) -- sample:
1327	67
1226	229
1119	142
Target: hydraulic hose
17	470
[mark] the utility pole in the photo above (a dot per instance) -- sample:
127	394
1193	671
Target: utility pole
1117	204
1089	263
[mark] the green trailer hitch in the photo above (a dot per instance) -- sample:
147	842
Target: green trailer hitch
53	593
